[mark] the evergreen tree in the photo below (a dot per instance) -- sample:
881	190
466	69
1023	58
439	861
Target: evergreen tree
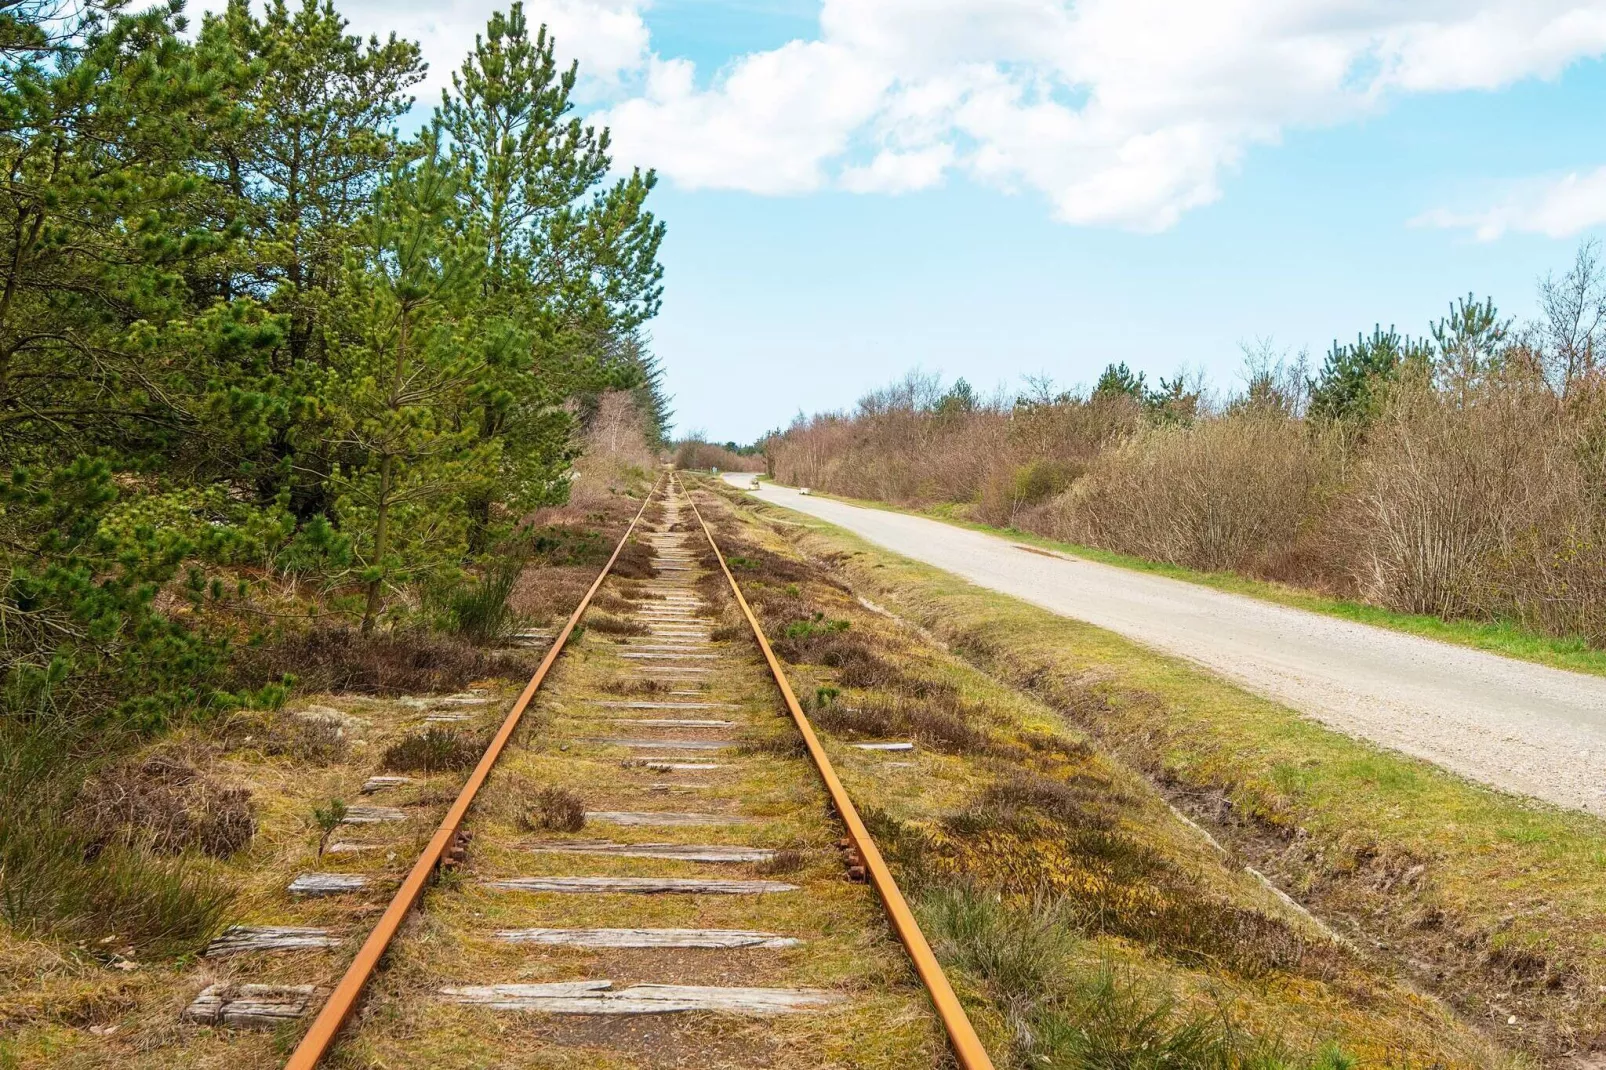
1351	381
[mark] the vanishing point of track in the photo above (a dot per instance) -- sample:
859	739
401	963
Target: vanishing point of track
677	633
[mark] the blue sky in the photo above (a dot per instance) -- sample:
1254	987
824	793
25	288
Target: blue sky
776	304
994	188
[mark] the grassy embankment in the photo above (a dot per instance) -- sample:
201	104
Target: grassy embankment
204	825
1492	901
1085	921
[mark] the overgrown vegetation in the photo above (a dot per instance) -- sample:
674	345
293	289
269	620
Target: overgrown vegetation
693	452
432	750
1084	923
556	809
277	381
1455	475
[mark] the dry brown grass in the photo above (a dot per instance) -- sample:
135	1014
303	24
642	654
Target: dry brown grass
166	805
556	809
433	750
342	659
611	625
1232	493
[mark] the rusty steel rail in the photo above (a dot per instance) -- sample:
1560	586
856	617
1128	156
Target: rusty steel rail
962	1036
343	1000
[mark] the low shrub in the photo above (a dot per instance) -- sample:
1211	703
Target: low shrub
165	805
635	560
613	602
564	544
611	625
557	810
433	750
342	659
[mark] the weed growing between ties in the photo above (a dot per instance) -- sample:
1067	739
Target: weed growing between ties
1084	923
433	750
556	810
611	625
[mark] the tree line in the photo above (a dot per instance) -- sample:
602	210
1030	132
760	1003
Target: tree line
1460	472
249	327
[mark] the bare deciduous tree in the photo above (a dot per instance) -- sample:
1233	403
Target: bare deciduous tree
1573	328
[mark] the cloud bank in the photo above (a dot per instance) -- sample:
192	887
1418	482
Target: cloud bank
1123	113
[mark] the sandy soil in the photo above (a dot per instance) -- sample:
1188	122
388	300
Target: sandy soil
1515	725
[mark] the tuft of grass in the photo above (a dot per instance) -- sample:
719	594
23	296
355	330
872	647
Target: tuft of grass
54	875
788	860
433	750
479	611
557	810
627	686
1059	1013
165	805
303	740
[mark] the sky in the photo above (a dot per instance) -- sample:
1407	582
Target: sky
1000	188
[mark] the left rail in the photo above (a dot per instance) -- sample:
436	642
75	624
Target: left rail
343	1000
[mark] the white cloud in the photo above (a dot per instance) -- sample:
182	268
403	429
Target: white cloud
607	37
1120	112
770	125
899	172
1557	208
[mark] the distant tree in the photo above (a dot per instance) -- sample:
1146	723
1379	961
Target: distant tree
1118	379
1572	331
1470	342
1350	384
1172	403
960	398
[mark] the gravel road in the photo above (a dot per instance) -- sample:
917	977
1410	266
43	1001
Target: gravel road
1518	726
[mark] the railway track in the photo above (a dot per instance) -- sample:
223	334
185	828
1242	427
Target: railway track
719	875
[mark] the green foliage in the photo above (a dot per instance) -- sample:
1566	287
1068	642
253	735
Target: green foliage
1470	341
1041	479
960	398
1169	403
479	611
815	626
327	819
245	323
251	332
1350	385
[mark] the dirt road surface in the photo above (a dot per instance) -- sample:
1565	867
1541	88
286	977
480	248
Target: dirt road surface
1512	724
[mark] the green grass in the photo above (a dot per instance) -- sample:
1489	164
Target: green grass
1339	822
1507	638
